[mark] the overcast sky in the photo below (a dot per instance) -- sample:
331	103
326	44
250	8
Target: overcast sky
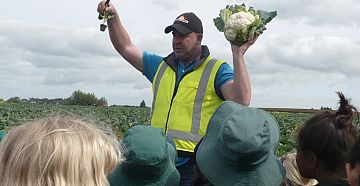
50	48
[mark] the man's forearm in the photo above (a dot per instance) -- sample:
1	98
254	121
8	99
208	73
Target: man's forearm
241	88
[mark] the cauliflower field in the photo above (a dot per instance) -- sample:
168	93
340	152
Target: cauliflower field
120	118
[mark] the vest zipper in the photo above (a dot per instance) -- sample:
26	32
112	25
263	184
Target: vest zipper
168	115
172	99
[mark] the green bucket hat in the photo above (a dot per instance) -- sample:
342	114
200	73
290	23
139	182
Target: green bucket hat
149	159
2	134
240	141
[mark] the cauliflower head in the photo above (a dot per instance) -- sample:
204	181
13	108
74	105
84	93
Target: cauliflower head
240	23
237	23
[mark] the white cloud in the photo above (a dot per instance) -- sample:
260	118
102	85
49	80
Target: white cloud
323	53
167	5
309	51
316	13
52	58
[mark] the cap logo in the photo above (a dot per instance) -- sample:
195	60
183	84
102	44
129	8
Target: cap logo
182	19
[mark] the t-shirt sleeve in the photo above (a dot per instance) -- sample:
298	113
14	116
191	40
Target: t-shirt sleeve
151	63
223	75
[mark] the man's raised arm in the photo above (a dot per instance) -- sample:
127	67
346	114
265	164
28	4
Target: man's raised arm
120	38
239	90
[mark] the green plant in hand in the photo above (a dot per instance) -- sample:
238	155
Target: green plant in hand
105	17
240	23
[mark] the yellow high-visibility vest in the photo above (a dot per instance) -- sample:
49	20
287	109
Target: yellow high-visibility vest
184	115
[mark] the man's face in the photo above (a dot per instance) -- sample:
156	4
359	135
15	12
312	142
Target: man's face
184	46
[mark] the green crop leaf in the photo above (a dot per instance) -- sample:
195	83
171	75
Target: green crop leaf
266	17
239	8
219	23
225	14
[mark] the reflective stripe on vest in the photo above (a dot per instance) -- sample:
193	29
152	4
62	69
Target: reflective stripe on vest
157	82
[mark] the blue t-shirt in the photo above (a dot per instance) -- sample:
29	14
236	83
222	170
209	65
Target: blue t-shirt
152	61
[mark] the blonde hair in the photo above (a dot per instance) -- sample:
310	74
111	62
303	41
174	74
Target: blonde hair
58	151
293	177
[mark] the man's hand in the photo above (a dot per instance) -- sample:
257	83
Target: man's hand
243	48
109	8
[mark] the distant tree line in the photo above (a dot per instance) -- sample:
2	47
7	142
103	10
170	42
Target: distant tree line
325	108
77	98
35	100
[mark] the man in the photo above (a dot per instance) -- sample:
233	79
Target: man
188	84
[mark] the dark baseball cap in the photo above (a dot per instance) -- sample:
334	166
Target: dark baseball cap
186	23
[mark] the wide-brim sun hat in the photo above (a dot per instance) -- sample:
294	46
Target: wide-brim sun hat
274	129
238	147
150	159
